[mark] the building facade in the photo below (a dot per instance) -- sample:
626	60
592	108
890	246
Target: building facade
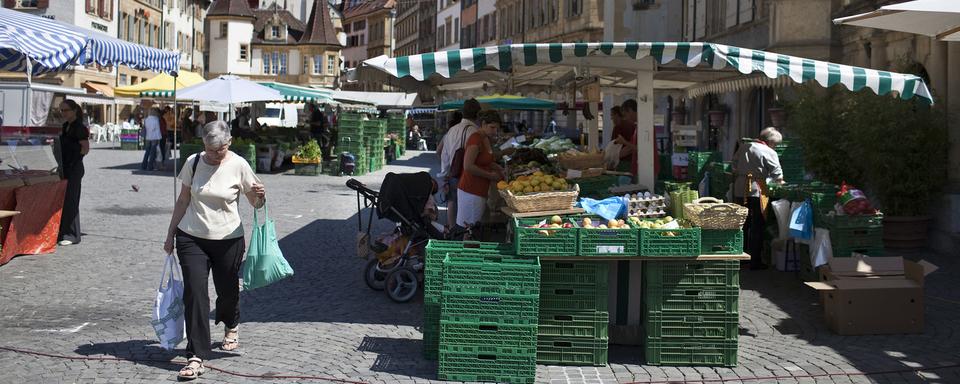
372	25
408	28
271	44
427	40
448	25
547	21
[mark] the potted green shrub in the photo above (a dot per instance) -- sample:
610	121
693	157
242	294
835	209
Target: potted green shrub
307	159
895	149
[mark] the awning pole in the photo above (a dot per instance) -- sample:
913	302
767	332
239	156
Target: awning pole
173	146
645	133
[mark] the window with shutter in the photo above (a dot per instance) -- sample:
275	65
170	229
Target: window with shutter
700	19
91	6
731	9
746	10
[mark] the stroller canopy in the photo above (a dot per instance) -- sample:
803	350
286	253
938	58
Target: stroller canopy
407	193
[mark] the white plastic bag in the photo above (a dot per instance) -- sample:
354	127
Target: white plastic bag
782	210
611	155
167	319
822	249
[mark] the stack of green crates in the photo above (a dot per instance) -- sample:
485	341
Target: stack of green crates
488	318
791	161
356	147
374	131
697	164
861	234
721	179
691	312
436	251
823	197
397	125
573	313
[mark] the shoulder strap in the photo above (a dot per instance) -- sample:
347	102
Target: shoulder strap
196	160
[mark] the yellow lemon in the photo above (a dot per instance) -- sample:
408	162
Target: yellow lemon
538	173
501	185
528	189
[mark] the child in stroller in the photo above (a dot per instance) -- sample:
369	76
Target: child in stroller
407	200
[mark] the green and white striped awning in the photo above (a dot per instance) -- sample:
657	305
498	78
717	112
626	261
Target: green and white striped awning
298	94
157	94
506	58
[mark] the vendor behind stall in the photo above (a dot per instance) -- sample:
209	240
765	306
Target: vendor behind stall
755	165
629	126
479	170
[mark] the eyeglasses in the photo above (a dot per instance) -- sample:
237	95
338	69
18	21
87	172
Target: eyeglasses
66	110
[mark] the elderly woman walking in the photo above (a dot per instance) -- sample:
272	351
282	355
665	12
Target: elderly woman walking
209	235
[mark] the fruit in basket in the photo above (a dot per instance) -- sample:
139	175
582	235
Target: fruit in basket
501	185
587	222
556	220
533	183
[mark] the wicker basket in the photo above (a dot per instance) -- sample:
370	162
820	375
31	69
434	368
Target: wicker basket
711	213
541	201
584	161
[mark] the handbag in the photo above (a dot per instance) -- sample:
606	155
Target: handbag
167	319
265	264
801	221
456	167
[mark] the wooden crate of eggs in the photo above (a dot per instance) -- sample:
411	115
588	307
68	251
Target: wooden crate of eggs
645	205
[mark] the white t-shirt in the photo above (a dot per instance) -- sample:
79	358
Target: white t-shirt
152	125
213	212
454	140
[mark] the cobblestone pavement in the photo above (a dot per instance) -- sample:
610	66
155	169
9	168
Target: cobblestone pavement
93	300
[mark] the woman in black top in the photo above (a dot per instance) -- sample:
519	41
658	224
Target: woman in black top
74	144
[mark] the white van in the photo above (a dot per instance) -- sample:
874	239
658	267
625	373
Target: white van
284	115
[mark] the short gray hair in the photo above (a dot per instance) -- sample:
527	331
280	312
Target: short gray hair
216	134
771	135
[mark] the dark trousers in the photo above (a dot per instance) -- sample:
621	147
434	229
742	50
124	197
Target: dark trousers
197	257
150	155
163	150
753	230
70	216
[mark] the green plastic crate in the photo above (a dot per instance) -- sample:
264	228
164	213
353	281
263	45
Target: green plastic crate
697	163
719	353
590	273
593	324
487	364
562	297
834	222
857	237
689	300
679	198
543	242
721	241
718	273
685	242
672	186
437	250
489	334
687	327
431	330
606	241
491	274
490	308
598	187
560	350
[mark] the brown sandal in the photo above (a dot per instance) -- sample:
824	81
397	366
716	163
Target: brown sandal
230	343
193	370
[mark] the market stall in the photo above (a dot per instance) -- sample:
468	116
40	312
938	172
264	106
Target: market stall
35	45
662	264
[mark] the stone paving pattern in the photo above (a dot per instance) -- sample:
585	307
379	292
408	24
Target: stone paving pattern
94	300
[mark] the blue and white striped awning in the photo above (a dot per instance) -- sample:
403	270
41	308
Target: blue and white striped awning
45	46
506	58
31	41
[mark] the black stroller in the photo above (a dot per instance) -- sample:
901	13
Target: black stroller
401	199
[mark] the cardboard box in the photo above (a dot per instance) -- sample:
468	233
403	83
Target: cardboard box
873	295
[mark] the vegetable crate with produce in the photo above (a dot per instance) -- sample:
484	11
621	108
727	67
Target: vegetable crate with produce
538	192
485	332
691	312
553	145
544	237
665	238
599	237
721	241
307	159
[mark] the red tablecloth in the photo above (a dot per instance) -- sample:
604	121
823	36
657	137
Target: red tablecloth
34	231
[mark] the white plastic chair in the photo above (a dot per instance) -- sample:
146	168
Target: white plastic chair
96	130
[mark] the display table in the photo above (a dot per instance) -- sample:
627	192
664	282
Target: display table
36	232
742	256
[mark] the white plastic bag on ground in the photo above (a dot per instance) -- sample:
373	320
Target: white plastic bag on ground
167	319
821	251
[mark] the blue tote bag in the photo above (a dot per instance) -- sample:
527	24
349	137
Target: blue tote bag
265	264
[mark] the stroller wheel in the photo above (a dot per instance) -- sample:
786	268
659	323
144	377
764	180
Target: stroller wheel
375	279
402	284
